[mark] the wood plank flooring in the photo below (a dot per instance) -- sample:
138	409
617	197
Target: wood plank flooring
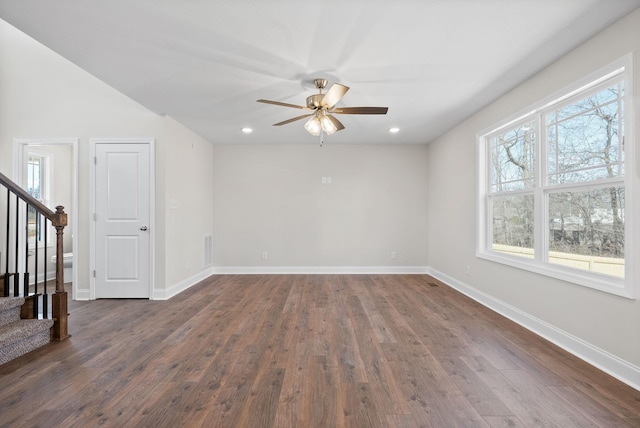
306	351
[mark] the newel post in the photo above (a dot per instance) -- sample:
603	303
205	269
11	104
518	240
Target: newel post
59	330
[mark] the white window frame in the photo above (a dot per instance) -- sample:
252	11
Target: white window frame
46	193
484	235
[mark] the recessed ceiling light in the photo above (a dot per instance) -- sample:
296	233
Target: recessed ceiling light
247	130
394	130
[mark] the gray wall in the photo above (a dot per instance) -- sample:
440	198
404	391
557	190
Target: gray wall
271	198
605	322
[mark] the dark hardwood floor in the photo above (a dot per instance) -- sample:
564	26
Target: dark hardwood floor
306	351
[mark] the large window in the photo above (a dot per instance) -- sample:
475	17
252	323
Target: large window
553	186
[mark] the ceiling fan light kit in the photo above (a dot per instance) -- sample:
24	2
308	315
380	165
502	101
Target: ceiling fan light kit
328	126
322	106
313	126
320	122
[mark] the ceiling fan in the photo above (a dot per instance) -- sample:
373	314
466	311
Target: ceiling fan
323	106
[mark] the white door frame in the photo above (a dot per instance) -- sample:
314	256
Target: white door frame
19	144
92	203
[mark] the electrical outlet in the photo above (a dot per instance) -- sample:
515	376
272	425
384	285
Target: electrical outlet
468	269
328	180
394	255
265	256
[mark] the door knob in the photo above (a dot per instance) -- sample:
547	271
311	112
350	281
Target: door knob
143	228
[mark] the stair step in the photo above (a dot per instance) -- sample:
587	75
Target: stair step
23	336
10	302
10	309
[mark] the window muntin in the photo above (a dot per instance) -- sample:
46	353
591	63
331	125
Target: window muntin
562	213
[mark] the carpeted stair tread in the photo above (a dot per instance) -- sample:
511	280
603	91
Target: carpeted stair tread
10	302
10	309
23	336
22	328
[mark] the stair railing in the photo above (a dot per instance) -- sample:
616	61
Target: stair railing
57	219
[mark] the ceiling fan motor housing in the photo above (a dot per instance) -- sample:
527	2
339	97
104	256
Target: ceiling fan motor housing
315	101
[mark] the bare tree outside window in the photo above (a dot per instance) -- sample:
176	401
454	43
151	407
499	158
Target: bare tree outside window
585	145
582	153
513	175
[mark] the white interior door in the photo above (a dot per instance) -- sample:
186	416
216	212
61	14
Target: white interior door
122	220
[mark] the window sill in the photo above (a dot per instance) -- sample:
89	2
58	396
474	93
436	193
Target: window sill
605	283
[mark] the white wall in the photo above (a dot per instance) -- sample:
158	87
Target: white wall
603	323
187	204
271	198
42	95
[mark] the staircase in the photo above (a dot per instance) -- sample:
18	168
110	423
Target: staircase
20	336
30	317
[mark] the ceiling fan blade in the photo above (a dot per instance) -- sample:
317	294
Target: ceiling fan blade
339	126
278	103
361	110
292	119
334	94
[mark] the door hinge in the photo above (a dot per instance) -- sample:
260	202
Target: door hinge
95	217
94	273
95	160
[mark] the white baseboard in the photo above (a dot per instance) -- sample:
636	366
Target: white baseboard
81	295
609	363
175	289
311	270
51	275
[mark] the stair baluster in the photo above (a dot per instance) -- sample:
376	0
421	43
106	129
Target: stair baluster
6	285
45	296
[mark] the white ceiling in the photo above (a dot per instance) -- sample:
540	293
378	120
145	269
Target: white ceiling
204	63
